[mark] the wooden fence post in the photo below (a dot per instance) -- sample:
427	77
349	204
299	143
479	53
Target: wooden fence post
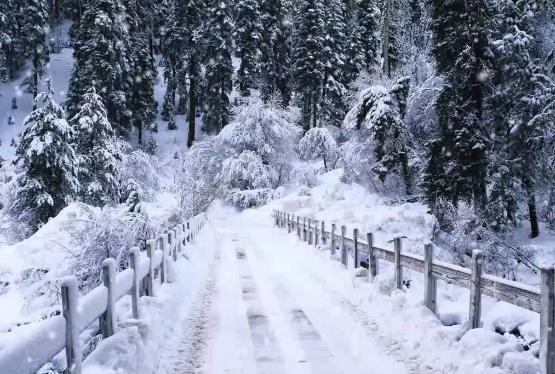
150	276
70	297
316	238
355	240
298	227
474	312
188	232
430	282
323	233
108	318
372	262
332	248
398	275
288	224
309	231
547	321
343	246
276	218
162	244
304	229
134	254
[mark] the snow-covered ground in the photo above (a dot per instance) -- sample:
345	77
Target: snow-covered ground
265	302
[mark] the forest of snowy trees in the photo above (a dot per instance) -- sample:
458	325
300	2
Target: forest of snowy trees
447	102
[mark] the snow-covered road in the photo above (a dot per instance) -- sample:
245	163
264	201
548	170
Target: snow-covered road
262	310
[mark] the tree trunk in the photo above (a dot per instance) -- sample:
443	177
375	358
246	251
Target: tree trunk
532	210
35	85
192	112
406	171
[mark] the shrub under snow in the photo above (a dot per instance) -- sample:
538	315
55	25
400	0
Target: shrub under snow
318	142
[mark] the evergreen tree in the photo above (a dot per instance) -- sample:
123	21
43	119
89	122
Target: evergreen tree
354	51
45	153
102	61
11	43
35	31
275	59
96	153
335	43
461	49
141	49
4	42
248	37
219	68
309	68
182	49
369	21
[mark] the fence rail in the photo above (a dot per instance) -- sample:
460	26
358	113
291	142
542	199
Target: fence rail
61	332
532	298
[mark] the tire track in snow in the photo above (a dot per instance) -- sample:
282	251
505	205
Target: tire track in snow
267	353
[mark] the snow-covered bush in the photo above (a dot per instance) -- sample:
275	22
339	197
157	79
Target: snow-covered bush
246	162
318	142
138	171
109	232
380	142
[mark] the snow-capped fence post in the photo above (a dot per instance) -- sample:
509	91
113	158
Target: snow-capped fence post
547	321
355	241
323	232
304	229
107	319
134	263
172	245
163	248
474	312
298	227
69	306
288	224
316	238
372	264
343	246
430	283
188	232
332	248
398	275
150	276
276	218
309	231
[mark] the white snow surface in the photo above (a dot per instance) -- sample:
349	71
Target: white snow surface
257	300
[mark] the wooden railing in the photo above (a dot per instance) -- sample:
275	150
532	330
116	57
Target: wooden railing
61	332
525	296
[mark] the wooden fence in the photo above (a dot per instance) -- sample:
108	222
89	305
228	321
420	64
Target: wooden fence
61	332
525	296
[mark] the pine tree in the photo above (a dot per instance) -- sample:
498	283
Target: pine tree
182	49
219	69
45	153
141	49
35	31
309	69
12	47
96	153
4	42
275	59
102	61
335	43
461	43
369	21
248	37
354	51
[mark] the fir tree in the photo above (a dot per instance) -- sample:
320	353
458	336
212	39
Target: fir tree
12	46
219	69
369	21
309	69
96	153
102	61
35	31
45	153
247	35
275	57
461	45
4	42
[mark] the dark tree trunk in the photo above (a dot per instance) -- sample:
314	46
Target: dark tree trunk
406	171
532	210
192	112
